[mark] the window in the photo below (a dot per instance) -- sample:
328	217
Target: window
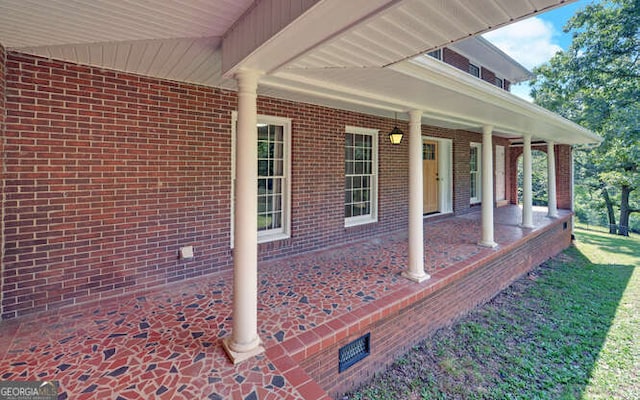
361	181
474	168
474	70
428	151
437	54
273	177
499	83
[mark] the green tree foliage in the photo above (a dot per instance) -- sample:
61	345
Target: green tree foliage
538	178
596	83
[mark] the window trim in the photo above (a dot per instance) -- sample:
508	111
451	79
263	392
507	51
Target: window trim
373	216
478	172
437	54
499	80
477	66
285	231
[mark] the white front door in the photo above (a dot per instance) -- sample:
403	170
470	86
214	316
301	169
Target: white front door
500	180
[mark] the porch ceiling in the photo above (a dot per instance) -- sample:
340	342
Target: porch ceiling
357	55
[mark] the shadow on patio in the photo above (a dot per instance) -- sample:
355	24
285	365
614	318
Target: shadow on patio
166	343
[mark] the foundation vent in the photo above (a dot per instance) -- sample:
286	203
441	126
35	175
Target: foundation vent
353	352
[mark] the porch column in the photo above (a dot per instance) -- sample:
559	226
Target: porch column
527	197
244	342
487	188
551	181
415	269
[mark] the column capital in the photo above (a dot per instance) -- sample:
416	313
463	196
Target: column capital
487	129
415	115
247	79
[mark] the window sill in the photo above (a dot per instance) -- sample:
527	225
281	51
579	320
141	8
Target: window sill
359	221
273	237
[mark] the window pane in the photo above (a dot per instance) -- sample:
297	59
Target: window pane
263	132
359	169
278	133
357	196
263	168
279	168
348	154
348	166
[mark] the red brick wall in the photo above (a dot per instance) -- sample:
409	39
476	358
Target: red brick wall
563	176
563	173
108	174
488	75
457	60
2	119
397	333
461	62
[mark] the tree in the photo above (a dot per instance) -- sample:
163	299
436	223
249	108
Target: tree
596	83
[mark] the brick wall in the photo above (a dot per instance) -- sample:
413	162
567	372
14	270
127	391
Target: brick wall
488	75
563	176
563	173
394	335
2	120
461	62
108	174
457	60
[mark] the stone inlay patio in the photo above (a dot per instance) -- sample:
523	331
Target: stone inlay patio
166	343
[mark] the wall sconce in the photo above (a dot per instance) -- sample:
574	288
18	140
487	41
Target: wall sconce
395	136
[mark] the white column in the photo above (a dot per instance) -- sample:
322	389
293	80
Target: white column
244	342
415	269
487	188
527	198
551	181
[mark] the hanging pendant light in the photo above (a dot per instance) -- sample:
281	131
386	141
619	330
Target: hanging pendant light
395	136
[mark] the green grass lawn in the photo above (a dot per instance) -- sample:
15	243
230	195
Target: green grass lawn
568	330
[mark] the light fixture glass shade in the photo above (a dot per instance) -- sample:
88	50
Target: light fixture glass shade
395	136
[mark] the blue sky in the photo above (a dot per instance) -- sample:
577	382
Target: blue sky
534	41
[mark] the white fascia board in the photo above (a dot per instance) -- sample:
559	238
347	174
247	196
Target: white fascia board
314	87
435	72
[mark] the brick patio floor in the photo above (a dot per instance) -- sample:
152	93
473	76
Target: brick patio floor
166	343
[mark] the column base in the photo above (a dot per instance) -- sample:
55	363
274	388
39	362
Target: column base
528	226
237	357
554	215
416	278
490	244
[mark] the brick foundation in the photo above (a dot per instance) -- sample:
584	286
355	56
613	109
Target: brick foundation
394	334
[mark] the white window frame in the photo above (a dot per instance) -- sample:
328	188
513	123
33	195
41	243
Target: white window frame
499	82
283	232
373	215
437	54
478	173
471	64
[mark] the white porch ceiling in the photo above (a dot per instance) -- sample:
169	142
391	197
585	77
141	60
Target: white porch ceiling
353	54
38	23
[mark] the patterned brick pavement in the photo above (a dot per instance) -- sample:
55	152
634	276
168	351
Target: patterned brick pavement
166	343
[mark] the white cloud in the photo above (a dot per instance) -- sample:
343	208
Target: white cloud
522	90
530	42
